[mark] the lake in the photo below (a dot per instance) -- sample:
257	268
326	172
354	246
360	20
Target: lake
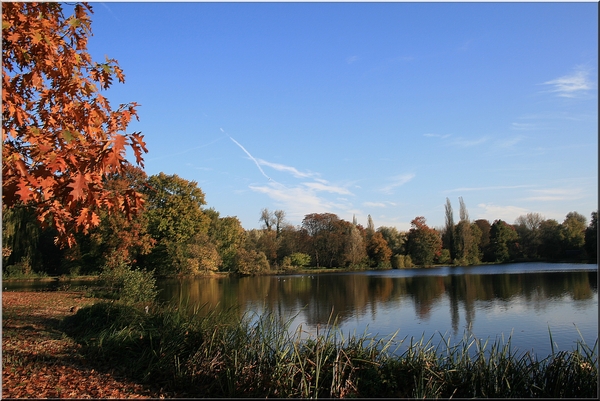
520	300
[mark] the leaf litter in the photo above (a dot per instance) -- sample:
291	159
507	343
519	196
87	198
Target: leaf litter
39	361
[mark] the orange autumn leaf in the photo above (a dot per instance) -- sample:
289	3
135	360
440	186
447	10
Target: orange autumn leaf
56	153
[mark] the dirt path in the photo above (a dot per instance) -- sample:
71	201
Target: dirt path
39	361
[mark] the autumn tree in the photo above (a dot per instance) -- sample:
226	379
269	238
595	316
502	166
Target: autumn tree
424	244
378	250
327	238
60	135
355	252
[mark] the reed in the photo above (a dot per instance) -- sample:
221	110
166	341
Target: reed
225	354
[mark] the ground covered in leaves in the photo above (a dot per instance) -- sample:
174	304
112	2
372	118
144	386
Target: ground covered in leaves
40	361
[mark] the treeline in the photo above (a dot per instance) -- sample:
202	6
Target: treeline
174	233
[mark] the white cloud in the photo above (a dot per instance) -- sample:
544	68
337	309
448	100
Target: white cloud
436	136
397	181
493	212
280	167
374	204
571	85
318	186
351	59
555	194
299	200
492	188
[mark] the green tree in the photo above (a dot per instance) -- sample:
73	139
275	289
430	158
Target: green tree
465	240
591	239
228	235
448	235
175	218
573	232
484	227
503	238
528	228
424	244
551	243
395	239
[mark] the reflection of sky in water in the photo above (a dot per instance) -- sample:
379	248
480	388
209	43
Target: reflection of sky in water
526	321
491	302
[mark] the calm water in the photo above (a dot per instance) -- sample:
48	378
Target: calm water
517	300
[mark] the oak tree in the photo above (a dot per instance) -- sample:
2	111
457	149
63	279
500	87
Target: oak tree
60	135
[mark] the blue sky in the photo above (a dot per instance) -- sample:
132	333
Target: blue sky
384	109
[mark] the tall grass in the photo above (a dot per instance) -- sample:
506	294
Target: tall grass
223	354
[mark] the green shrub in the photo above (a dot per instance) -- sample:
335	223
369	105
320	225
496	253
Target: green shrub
129	286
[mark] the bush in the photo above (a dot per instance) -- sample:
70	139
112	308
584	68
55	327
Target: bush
401	261
129	286
299	259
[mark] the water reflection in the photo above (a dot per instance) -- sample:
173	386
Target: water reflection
349	295
416	302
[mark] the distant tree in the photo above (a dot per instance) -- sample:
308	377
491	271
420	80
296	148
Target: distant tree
228	235
327	238
370	226
424	244
465	240
591	239
573	231
60	136
395	239
355	252
528	228
279	220
464	214
448	234
484	240
551	243
267	218
503	238
378	251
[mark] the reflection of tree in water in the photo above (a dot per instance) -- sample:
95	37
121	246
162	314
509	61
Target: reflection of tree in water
351	296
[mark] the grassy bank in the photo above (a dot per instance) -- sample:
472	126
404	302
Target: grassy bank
223	355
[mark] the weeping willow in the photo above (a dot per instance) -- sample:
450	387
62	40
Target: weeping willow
20	238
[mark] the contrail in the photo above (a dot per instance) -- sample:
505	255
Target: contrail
248	153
